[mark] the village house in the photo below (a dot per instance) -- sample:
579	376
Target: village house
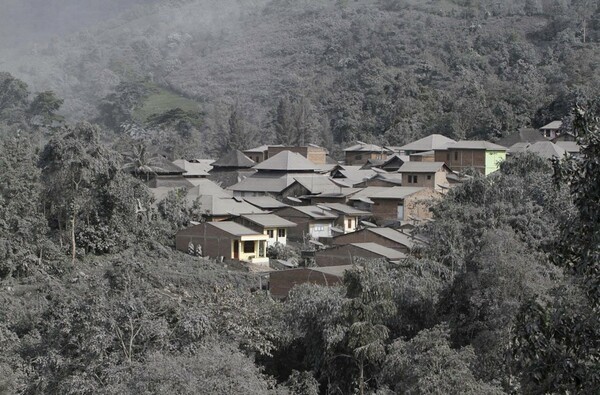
551	130
347	254
396	204
313	221
222	208
274	175
425	174
231	168
386	237
260	153
426	144
382	179
312	152
351	175
282	281
482	156
358	154
426	156
165	174
394	162
198	168
272	225
266	203
545	149
226	239
523	135
348	216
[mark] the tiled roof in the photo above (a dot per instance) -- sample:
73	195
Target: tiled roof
393	235
569	146
269	220
287	161
316	184
431	142
524	135
234	159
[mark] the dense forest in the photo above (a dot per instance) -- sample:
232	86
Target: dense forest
384	71
95	300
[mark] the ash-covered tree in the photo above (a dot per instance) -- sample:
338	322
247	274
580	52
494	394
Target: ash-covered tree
44	107
14	96
557	340
23	229
87	197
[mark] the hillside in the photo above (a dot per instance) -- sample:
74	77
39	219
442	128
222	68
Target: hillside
383	71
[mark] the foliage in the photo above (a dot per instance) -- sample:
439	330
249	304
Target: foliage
428	364
556	343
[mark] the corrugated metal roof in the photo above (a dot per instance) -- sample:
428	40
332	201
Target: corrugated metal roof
287	161
224	206
316	184
525	135
545	149
234	159
569	146
385	192
315	212
393	235
475	144
421	167
233	228
345	209
380	250
269	220
337	271
553	125
193	169
265	202
429	143
264	183
365	148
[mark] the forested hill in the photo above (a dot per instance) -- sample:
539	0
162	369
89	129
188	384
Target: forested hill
383	71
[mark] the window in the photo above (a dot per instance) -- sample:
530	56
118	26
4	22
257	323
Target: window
270	233
349	223
429	177
400	215
319	228
248	247
280	232
412	179
448	156
261	248
455	155
358	157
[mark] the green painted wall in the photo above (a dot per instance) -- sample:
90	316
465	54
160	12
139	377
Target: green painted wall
493	160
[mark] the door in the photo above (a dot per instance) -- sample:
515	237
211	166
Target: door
236	250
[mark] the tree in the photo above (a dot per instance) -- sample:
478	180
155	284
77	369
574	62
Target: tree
13	98
45	105
427	364
557	342
140	162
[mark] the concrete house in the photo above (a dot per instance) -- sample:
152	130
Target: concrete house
425	174
348	216
483	156
360	153
346	254
225	239
313	221
272	225
231	168
386	237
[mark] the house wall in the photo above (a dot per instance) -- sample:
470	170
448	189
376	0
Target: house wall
318	229
416	206
214	242
282	281
346	222
342	255
422	158
256	156
387	210
462	159
276	238
257	256
426	180
365	236
360	158
493	160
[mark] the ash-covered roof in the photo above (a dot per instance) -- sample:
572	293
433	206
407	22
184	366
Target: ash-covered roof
429	143
287	161
234	159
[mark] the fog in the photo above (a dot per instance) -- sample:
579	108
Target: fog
25	22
